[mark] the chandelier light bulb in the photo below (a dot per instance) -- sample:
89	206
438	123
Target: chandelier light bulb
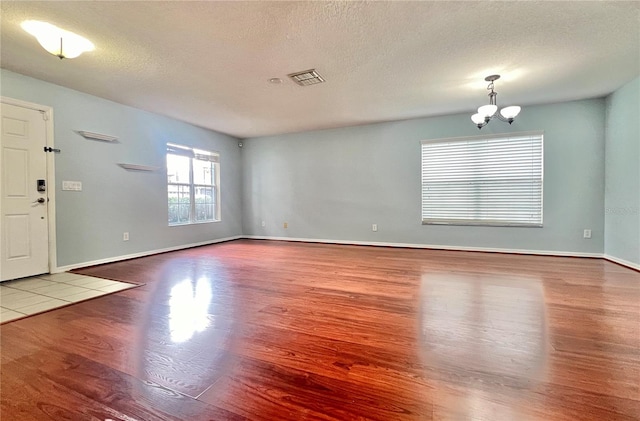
57	41
487	110
510	112
477	118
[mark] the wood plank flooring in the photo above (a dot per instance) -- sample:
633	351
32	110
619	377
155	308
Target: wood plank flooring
265	330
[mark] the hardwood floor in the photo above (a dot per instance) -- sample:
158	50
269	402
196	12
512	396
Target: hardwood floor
261	330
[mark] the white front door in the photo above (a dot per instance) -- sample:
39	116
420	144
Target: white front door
23	162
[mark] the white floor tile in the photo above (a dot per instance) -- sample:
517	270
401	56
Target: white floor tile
97	283
60	277
29	284
82	282
54	287
43	306
16	305
12	298
5	291
90	293
7	315
63	293
10	284
4	310
45	292
118	287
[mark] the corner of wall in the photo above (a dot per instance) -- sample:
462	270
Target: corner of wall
622	174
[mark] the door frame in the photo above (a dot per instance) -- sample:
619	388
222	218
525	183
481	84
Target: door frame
47	113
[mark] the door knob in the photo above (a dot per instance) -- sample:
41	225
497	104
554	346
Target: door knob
40	200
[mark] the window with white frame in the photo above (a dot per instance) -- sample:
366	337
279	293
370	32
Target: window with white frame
489	180
193	185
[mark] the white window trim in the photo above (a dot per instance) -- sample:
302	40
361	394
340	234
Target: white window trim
215	158
493	223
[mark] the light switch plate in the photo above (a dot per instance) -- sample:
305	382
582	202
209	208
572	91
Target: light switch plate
72	185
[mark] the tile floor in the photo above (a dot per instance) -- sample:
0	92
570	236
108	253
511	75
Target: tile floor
27	296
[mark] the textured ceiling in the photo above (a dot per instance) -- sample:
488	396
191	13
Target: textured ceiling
208	63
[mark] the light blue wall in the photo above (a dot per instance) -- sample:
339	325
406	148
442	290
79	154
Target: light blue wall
622	174
90	223
333	184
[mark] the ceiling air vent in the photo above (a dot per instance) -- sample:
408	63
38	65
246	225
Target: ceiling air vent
306	78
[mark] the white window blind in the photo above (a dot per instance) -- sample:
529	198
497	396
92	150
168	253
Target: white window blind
492	180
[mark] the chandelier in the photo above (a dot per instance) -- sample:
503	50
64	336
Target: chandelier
489	111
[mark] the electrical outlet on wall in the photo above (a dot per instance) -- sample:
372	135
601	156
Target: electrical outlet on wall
125	236
286	225
586	234
264	224
374	227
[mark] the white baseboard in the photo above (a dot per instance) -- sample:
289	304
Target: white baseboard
141	254
430	246
622	262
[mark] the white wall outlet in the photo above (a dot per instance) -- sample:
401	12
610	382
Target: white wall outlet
125	236
586	234
264	224
374	227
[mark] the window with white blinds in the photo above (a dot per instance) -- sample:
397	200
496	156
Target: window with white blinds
491	180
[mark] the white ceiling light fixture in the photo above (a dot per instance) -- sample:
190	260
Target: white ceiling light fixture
59	42
487	112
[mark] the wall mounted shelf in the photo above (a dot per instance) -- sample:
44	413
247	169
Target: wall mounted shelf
137	167
97	136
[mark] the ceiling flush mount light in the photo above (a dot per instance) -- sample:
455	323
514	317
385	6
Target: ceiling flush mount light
57	41
487	112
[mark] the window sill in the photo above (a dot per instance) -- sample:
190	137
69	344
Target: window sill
182	224
481	224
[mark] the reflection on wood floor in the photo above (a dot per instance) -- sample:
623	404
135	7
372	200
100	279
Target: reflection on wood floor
261	330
